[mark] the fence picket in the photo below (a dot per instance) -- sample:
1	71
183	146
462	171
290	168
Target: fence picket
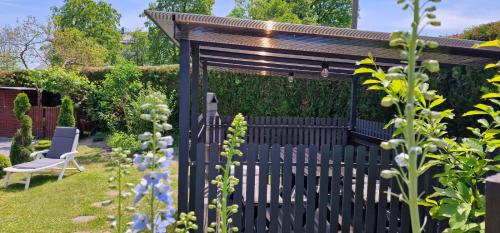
323	188
347	189
311	188
299	189
287	189
359	189
382	195
212	173
275	183
335	187
200	186
373	176
263	179
250	189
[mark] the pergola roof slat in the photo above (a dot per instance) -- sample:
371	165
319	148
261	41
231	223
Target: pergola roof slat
280	48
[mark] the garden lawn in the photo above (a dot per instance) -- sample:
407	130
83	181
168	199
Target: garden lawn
50	205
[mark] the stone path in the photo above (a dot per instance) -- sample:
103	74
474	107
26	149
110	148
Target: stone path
83	219
5	145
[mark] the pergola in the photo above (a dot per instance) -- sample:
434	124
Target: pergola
278	49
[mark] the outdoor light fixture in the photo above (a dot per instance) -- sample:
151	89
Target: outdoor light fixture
324	69
290	77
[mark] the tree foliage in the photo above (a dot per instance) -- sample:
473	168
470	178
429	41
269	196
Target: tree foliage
161	49
96	19
484	32
335	13
21	143
71	48
66	115
107	104
22	44
136	47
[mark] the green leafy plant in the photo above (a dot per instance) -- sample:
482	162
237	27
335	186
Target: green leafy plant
4	162
66	113
21	143
42	145
100	136
106	105
226	182
120	165
466	163
125	141
418	124
186	223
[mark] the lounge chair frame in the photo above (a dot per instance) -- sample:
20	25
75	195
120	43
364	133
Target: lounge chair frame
61	164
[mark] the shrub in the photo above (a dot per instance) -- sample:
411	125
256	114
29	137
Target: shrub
4	162
133	111
99	136
42	145
123	140
21	143
106	105
66	114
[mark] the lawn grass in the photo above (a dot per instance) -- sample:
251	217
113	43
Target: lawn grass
50	205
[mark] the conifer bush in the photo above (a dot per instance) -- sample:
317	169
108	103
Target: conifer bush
66	114
21	143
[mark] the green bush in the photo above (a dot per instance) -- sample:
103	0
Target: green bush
124	140
42	145
21	143
99	136
106	105
4	162
66	113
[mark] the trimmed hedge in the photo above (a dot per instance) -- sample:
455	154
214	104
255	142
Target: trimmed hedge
268	96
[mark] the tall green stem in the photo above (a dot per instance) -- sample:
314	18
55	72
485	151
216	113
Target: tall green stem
410	116
154	145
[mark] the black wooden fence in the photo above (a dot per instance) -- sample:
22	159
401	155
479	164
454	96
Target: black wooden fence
303	189
283	130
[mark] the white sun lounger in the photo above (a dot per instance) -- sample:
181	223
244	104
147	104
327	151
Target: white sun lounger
61	153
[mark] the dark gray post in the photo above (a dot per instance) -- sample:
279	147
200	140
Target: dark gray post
493	204
204	90
353	113
195	68
354	15
183	125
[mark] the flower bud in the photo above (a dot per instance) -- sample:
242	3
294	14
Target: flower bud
431	65
388	174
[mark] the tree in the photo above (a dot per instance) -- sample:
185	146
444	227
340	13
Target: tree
23	43
161	49
71	48
136	46
97	20
315	12
21	143
66	115
484	32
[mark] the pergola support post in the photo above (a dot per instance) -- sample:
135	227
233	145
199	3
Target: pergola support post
184	90
493	203
353	113
195	69
204	91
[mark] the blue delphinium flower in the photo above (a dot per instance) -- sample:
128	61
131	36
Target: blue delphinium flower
140	222
164	193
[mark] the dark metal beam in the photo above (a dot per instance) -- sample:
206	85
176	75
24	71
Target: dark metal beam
273	65
314	61
354	15
204	90
493	203
264	69
325	55
195	68
184	90
354	103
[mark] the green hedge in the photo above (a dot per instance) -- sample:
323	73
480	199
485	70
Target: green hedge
267	96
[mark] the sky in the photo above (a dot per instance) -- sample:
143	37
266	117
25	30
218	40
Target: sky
375	15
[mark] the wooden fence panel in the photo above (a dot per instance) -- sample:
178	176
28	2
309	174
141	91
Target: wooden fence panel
305	189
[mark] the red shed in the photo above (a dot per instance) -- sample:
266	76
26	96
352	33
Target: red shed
44	118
